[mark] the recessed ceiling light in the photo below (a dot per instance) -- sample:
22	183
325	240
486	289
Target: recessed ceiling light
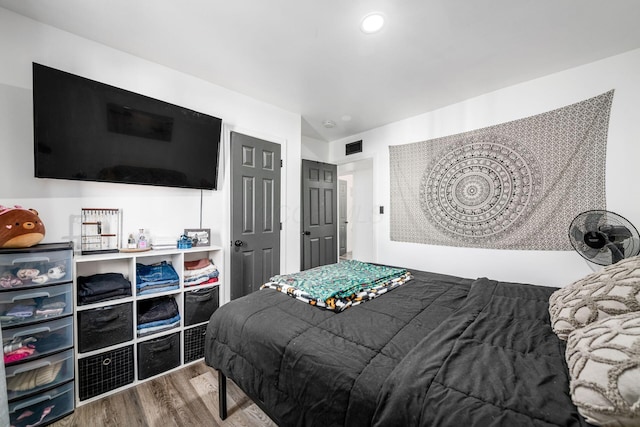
372	23
346	118
329	124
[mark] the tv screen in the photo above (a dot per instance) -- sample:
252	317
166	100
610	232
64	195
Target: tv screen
90	131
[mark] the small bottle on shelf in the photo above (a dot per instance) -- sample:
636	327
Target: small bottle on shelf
142	240
131	242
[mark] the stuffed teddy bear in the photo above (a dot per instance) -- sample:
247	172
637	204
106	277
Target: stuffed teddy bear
20	227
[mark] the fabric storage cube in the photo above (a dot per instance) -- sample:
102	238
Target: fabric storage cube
44	408
104	326
28	378
194	343
199	305
33	341
44	264
158	355
27	306
105	371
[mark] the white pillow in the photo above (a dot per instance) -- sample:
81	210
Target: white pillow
604	369
611	291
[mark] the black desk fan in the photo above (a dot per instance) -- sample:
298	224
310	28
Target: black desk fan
604	237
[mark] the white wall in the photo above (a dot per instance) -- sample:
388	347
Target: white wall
553	268
164	211
314	149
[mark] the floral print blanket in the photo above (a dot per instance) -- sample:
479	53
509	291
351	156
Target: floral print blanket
339	286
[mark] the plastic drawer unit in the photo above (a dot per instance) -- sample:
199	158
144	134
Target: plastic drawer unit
31	377
46	264
43	408
22	344
36	311
32	305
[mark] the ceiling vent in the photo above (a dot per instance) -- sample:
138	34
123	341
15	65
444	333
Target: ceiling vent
353	147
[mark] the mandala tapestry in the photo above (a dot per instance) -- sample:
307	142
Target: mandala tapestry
515	185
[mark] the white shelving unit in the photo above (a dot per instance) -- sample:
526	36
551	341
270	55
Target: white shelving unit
105	375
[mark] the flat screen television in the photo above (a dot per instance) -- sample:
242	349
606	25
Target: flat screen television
90	131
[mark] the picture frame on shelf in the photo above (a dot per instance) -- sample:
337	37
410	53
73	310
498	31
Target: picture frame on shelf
199	236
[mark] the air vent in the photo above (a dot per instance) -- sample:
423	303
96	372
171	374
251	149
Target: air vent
353	147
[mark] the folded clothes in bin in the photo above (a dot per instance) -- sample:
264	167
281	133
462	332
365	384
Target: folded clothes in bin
19	353
21	311
51	306
34	378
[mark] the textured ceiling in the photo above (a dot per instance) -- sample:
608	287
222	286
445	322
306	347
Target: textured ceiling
309	56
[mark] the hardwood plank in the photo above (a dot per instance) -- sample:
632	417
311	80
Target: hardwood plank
207	386
186	397
193	411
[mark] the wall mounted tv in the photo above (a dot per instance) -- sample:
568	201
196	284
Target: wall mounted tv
90	131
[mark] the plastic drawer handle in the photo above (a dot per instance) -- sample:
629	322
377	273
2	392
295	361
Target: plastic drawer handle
106	362
34	259
32	368
28	403
38	399
32	331
29	296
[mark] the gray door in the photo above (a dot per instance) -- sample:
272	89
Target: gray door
319	214
342	219
255	213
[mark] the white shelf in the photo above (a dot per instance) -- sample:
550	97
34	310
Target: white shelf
144	254
125	263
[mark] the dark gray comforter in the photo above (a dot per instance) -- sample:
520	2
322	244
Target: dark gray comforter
437	351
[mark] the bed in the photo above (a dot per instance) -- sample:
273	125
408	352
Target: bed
437	351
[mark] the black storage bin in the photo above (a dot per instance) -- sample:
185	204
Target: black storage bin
158	355
104	326
104	372
194	343
199	305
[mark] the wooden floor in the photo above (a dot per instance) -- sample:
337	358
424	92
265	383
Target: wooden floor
187	397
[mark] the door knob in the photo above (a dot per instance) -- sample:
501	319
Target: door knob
306	233
238	243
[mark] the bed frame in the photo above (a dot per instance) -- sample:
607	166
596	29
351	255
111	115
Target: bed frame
222	399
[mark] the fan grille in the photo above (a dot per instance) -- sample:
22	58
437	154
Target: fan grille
604	237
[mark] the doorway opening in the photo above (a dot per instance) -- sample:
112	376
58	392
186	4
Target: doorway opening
359	210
